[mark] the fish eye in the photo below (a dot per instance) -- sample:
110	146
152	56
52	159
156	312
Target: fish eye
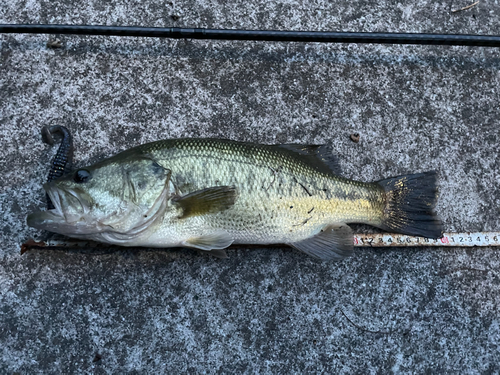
81	176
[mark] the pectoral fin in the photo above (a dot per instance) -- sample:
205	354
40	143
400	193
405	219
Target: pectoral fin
206	201
213	241
333	242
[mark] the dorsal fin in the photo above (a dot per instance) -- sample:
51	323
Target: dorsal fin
319	157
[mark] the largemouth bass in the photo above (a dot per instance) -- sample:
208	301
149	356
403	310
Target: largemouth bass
209	193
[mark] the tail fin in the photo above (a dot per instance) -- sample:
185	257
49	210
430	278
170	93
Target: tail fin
410	202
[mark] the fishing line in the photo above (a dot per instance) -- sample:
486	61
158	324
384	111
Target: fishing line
258	35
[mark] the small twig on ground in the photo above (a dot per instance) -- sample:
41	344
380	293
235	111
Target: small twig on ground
364	329
447	272
54	43
465	8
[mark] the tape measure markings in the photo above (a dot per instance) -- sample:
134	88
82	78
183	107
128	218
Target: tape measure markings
465	239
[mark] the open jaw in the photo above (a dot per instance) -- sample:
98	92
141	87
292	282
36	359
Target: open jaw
61	219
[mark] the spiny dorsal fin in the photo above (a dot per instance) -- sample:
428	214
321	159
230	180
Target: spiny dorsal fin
334	242
207	201
319	157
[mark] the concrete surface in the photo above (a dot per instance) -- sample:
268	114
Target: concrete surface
263	310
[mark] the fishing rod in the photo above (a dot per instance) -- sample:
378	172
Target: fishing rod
258	35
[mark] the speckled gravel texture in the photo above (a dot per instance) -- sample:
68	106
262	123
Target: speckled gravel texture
263	310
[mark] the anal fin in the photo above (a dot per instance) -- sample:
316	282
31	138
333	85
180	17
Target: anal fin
334	242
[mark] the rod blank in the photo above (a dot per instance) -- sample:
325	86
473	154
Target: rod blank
260	35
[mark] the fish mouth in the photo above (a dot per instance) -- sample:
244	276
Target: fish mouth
55	198
45	220
61	219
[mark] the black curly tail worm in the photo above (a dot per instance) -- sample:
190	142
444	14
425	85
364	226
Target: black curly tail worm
61	164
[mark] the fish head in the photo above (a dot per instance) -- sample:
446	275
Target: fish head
119	197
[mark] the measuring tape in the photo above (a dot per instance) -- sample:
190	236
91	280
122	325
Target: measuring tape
466	239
